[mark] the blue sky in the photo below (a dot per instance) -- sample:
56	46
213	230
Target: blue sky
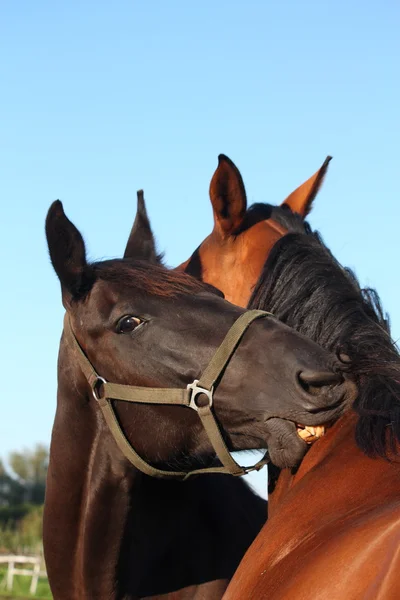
99	99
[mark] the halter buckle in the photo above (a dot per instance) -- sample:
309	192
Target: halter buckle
95	386
195	390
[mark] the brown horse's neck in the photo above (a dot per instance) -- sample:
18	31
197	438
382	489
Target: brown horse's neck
338	478
342	433
340	504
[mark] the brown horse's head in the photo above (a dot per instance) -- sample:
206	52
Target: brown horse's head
143	325
232	256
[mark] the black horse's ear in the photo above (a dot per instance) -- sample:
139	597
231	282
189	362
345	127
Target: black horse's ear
141	243
67	254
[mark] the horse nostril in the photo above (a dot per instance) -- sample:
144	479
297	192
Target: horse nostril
312	382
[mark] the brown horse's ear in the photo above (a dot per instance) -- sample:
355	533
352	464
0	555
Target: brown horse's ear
67	254
228	196
141	243
301	199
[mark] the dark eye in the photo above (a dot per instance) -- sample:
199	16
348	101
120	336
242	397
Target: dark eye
127	324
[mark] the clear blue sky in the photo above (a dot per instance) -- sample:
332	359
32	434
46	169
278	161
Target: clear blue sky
101	98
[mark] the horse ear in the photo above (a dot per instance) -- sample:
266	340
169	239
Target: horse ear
67	254
228	196
141	243
300	201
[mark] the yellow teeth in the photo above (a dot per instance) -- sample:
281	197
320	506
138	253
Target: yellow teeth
310	434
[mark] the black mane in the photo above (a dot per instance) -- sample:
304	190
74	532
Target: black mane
281	214
305	287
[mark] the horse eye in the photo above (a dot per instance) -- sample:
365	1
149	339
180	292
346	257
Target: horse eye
127	324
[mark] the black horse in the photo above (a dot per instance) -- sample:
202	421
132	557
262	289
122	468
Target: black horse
133	323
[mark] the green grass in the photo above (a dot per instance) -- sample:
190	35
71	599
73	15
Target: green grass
22	536
21	586
8	597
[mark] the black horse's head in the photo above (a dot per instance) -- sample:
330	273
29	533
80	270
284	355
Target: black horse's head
143	325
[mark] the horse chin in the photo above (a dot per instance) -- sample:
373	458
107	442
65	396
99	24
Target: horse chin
285	447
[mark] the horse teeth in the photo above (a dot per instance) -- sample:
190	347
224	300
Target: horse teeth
310	434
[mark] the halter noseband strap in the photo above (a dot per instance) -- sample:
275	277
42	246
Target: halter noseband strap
104	391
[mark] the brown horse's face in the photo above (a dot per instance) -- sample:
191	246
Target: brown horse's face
141	324
231	258
233	263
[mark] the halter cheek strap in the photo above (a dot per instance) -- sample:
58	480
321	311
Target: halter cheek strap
104	392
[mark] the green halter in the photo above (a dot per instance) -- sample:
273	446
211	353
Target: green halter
104	391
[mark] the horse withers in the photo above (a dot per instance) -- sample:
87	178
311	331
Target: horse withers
132	325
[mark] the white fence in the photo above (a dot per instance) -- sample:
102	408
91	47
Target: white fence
35	572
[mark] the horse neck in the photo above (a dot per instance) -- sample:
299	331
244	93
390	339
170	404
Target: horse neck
335	463
110	531
337	491
188	538
87	495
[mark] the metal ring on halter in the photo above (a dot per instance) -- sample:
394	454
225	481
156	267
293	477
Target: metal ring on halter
195	391
94	385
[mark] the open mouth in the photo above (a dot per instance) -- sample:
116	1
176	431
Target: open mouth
310	434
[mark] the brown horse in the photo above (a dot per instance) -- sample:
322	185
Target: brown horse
135	323
334	524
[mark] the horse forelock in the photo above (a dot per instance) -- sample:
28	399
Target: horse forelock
151	279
